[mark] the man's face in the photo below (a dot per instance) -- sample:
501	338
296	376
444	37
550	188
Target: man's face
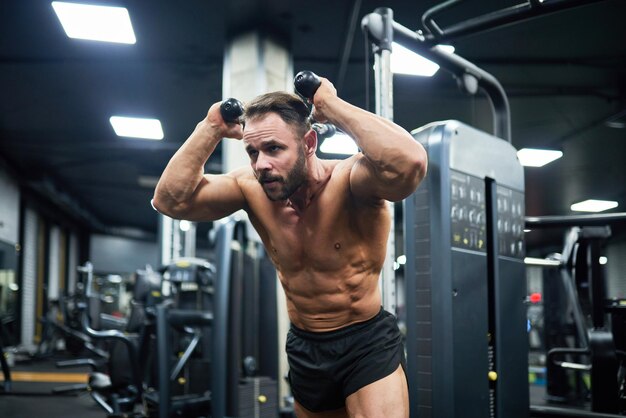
277	156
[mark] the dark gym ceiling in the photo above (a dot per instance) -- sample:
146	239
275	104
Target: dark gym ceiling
564	73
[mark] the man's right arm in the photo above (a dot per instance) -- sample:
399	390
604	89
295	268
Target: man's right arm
184	191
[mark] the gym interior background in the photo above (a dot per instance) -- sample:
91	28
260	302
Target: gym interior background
73	192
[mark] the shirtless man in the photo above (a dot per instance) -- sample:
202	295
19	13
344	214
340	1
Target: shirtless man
325	225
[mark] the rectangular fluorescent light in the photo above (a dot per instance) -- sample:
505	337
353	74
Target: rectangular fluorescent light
95	23
137	127
149	182
339	143
405	61
532	157
532	261
593	205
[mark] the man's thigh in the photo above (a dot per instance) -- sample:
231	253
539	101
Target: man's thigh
387	397
302	412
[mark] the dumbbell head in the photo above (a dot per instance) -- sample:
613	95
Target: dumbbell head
231	110
306	84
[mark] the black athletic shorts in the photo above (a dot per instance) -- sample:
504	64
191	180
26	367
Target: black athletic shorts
326	367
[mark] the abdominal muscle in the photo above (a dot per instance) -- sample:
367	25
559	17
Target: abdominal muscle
329	271
323	302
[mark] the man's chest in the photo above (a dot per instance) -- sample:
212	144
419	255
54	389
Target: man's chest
311	240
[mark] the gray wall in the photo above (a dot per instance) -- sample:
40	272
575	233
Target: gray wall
111	254
615	252
9	208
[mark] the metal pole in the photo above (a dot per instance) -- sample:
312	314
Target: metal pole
552	411
383	76
383	84
575	220
383	80
176	250
189	240
219	373
163	358
165	239
493	20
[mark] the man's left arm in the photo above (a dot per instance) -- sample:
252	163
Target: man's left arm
392	163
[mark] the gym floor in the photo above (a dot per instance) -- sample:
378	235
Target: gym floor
31	394
33	383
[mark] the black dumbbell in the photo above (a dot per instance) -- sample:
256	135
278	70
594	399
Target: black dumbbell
306	84
231	110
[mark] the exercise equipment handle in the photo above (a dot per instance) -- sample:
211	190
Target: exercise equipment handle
307	83
231	110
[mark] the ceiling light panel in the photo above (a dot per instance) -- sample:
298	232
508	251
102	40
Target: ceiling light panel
137	127
149	182
532	157
405	61
593	205
95	23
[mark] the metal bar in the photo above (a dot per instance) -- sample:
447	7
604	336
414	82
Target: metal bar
428	20
163	355
542	262
220	328
567	350
493	279
577	311
499	18
347	47
232	357
384	107
570	246
188	351
100	400
597	285
383	84
6	371
575	220
552	411
78	362
573	366
183	317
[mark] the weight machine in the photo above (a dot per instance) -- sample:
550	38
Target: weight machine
465	283
599	324
464	275
234	325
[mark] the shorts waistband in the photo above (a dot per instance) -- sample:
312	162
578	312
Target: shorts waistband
337	333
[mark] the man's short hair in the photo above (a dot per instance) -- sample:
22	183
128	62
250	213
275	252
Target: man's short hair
289	107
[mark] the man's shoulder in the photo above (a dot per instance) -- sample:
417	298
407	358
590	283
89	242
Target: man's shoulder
242	172
246	180
342	173
343	167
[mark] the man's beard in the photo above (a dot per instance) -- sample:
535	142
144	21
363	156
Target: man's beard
285	187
